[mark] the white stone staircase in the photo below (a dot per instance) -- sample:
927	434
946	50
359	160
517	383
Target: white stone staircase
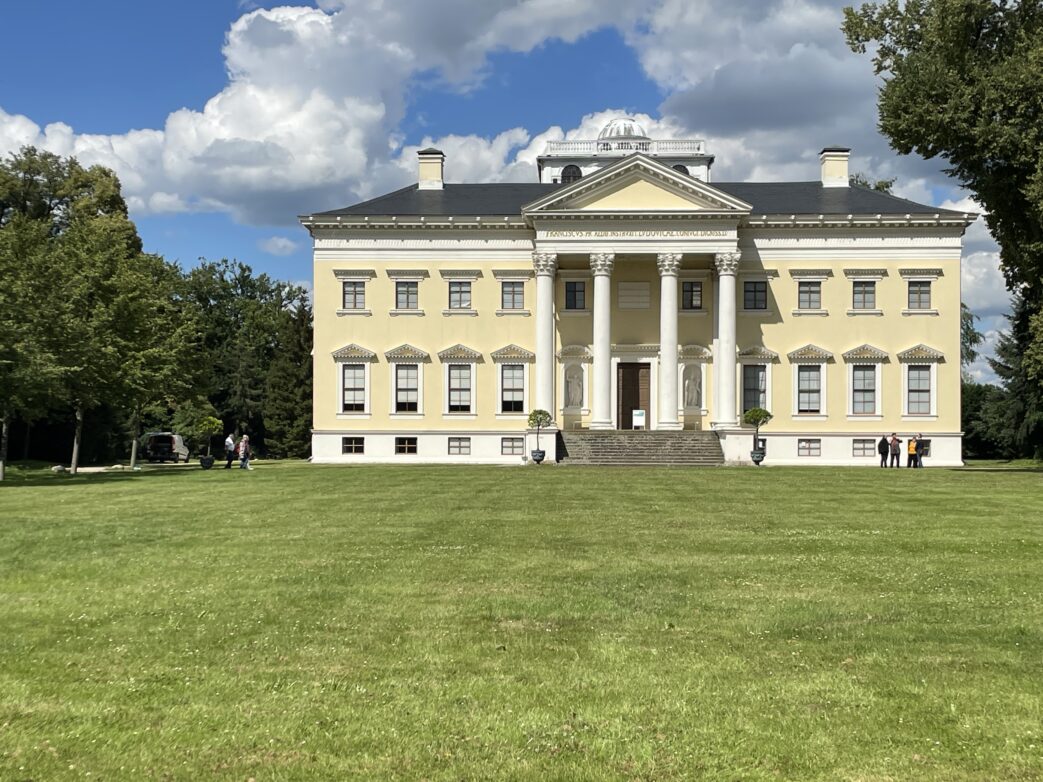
640	448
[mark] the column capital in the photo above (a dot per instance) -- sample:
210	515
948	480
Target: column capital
727	263
545	263
601	263
668	263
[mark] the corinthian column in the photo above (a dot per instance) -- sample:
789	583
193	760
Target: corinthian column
601	265
724	362
545	264
668	264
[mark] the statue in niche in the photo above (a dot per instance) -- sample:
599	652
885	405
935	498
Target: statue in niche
574	387
693	387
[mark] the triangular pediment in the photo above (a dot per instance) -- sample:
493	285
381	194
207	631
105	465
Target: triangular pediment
512	353
354	352
920	352
459	353
406	353
810	353
638	184
866	353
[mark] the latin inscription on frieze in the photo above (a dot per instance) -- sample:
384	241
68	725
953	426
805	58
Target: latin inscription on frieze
638	234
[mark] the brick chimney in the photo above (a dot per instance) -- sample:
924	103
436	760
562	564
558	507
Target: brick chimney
834	166
432	164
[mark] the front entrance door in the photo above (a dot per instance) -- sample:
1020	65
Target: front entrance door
633	393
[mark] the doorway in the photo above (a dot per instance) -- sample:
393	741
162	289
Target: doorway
633	392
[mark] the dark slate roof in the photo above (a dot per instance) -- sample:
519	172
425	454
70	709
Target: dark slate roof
508	198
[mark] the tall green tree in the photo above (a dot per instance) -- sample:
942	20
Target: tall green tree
970	337
963	80
287	411
1016	418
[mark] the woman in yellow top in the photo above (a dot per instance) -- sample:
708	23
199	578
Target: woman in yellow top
911	450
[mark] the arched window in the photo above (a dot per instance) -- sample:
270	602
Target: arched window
570	174
682	168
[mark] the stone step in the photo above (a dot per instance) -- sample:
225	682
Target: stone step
640	448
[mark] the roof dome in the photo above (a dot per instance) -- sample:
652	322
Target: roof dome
621	128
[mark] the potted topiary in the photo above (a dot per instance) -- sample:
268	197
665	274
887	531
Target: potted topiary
538	419
756	417
207	427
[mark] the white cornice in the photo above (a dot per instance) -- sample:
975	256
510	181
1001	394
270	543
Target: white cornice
354	274
460	274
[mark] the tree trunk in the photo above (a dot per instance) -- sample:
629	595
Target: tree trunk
76	441
134	442
3	448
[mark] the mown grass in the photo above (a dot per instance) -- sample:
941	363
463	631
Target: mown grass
446	623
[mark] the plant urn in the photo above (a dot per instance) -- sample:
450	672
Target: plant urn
206	462
538	456
757	455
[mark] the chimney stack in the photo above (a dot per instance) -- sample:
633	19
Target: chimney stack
432	163
834	166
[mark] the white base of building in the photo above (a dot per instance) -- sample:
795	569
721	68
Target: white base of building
380	447
833	449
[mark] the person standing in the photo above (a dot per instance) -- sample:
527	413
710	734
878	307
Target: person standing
896	450
910	450
883	448
920	448
244	453
229	451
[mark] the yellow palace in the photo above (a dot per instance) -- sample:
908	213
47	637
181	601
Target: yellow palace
642	304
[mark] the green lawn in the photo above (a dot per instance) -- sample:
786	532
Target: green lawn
328	623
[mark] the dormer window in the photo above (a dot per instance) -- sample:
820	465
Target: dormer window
570	174
681	169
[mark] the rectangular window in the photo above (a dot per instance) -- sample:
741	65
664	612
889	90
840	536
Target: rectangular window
406	297
405	445
919	390
353	445
863	448
354	295
809	447
460	295
407	385
354	388
512	296
512	383
755	295
512	446
863	389
809	295
459	388
575	295
691	295
864	293
754	386
809	389
919	294
459	446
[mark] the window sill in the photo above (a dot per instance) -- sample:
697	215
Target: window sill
352	416
920	312
396	313
522	313
690	313
459	416
757	313
573	313
512	416
466	313
810	417
853	313
874	417
924	417
406	416
819	313
342	313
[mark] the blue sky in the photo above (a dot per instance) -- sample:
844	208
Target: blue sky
225	119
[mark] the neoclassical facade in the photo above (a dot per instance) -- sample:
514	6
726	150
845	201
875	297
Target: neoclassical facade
627	290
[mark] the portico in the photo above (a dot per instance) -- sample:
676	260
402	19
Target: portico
638	212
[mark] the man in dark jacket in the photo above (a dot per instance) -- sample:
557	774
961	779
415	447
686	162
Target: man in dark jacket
920	447
883	448
896	450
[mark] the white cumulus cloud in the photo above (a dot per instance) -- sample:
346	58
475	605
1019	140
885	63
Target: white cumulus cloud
278	245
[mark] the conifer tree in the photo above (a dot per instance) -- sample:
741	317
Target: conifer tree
287	413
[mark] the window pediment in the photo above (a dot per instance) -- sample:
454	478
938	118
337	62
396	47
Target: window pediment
921	353
810	353
354	352
758	353
700	352
407	353
867	354
460	353
512	353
